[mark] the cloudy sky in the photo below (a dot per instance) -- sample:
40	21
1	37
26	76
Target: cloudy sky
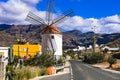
104	14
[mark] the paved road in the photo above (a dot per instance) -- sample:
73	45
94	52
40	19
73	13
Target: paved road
83	71
58	77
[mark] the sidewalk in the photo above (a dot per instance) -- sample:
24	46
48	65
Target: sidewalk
104	66
66	68
66	71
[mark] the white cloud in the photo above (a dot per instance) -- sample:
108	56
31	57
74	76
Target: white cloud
15	11
110	28
110	19
110	24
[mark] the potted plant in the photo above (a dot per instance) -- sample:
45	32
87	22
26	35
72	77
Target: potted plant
47	60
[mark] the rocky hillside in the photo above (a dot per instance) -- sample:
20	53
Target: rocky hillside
31	33
75	38
115	43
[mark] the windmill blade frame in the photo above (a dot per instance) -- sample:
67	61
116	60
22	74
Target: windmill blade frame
63	17
34	19
38	31
49	11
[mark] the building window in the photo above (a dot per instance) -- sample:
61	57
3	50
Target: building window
52	37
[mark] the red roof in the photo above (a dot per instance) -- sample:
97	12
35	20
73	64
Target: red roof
51	29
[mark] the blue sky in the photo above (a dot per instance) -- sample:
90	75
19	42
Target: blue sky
86	8
104	14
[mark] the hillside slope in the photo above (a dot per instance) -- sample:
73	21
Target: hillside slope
31	33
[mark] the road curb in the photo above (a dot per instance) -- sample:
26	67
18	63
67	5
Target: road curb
114	71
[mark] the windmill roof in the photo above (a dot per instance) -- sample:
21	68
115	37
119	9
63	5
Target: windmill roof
51	29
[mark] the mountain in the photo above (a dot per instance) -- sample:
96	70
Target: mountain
6	39
74	38
31	33
61	29
115	43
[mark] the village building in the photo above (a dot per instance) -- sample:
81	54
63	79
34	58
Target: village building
111	49
26	49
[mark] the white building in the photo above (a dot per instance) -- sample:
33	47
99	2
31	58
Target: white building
110	50
4	54
79	48
3	61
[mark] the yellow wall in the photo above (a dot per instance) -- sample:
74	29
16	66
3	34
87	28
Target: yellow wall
23	49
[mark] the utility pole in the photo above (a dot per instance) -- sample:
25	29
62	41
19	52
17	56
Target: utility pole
94	39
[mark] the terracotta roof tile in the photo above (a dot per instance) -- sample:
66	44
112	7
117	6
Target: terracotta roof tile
51	29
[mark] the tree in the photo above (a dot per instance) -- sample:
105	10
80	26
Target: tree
105	50
71	53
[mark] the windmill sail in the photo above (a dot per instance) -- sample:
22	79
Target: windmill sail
34	19
63	17
49	11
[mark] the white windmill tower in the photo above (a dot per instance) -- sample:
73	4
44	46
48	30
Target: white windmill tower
51	36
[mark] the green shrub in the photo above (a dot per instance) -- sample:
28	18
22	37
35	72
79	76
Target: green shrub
111	60
93	58
71	53
61	60
44	60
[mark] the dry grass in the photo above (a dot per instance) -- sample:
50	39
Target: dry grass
28	72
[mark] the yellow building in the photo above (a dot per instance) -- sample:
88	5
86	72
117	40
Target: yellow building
26	49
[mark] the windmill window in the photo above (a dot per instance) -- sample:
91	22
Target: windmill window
52	37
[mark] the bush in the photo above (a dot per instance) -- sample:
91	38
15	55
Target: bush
71	53
46	60
111	60
43	60
93	58
61	60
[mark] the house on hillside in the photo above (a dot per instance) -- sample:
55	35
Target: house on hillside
111	50
79	48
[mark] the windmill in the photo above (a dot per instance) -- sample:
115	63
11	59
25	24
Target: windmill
51	35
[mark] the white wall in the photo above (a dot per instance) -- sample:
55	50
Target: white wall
58	39
56	43
4	50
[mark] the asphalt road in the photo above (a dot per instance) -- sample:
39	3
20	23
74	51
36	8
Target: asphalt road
82	71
